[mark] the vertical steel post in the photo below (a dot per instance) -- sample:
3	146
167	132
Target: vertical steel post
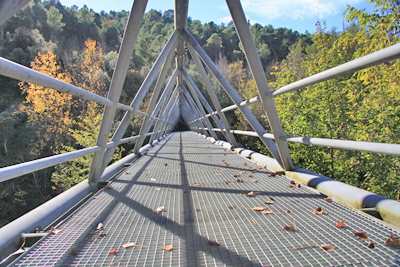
250	50
254	123
193	108
199	124
117	81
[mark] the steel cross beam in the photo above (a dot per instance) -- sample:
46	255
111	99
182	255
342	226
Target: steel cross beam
166	111
117	82
156	93
204	122
195	91
192	115
254	123
211	92
250	50
144	88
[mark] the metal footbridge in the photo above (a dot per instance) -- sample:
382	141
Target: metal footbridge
196	198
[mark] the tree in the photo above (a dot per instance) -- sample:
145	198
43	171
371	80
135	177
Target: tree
54	21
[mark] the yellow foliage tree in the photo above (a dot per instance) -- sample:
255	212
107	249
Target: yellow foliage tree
48	110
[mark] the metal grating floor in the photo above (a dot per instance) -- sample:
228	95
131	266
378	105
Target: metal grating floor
187	175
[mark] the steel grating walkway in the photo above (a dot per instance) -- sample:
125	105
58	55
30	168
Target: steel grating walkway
189	177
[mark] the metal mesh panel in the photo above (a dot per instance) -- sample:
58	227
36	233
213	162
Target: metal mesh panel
188	176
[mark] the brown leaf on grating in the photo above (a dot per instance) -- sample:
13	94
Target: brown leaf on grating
113	252
236	175
251	175
272	174
370	245
289	211
298	185
271	198
217	174
328	199
340	224
393	241
318	212
128	172
159	209
265	212
250	194
168	248
100	226
328	247
128	245
214	243
224	150
240	181
116	262
319	209
253	171
269	202
255	181
292	182
258	208
226	164
165	164
290	228
227	183
197	185
245	164
109	187
362	235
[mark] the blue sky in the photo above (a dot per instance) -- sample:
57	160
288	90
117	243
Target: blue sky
299	15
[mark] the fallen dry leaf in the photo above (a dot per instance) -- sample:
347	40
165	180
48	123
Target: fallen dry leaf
292	182
245	164
168	248
214	243
318	212
96	197
393	241
328	247
289	211
255	181
328	199
269	202
253	171
250	194
236	175
272	174
258	208
128	245
217	174
340	224
116	262
152	179
100	226
159	209
361	235
251	175
370	245
109	187
197	185
113	252
240	181
318	209
298	185
158	189
55	230
242	172
165	164
271	198
290	228
265	212
128	172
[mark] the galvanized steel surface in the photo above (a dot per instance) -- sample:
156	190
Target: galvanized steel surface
190	177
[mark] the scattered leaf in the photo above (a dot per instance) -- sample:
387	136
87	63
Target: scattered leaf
159	209
340	224
95	197
152	179
255	181
264	212
226	182
168	248
251	175
113	252
328	247
289	211
245	164
116	262
240	181
271	198
165	164
272	174
370	245
242	172
128	245
214	243
197	185
298	185
253	171
361	235
290	228
55	231
292	182
236	175
100	226
253	221
269	202
217	174
318	212
318	209
258	208
393	241
328	199
250	194
128	172
158	189
109	187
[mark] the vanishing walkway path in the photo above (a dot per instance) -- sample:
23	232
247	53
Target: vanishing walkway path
196	183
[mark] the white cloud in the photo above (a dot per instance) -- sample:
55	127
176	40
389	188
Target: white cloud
224	20
295	9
